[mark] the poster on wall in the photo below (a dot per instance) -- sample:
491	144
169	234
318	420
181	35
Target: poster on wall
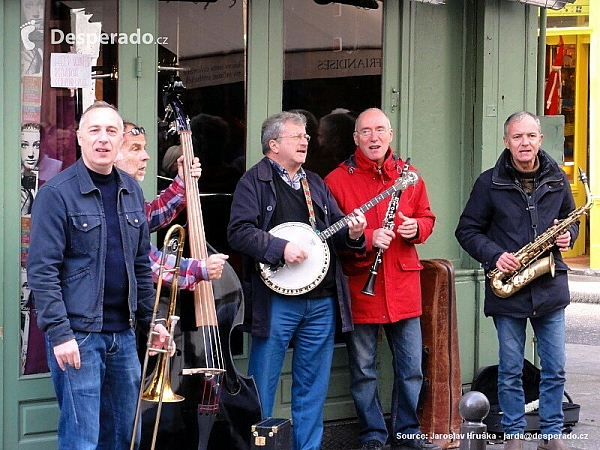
70	70
33	355
56	86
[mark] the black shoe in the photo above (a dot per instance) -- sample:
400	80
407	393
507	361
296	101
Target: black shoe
372	445
418	444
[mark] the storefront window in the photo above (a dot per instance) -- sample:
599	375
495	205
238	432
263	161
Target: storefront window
332	72
332	64
207	41
561	95
568	21
204	48
54	35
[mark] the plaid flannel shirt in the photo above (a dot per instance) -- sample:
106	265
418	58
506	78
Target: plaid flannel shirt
160	213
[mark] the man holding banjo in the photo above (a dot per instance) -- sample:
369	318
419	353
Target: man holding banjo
285	301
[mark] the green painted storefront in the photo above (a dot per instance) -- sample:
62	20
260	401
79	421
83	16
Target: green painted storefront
450	75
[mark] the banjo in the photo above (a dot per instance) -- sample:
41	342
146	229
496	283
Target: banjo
300	278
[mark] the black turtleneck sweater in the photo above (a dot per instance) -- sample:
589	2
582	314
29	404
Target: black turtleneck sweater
116	287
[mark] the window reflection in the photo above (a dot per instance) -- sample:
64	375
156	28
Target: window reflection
568	21
332	72
332	64
207	41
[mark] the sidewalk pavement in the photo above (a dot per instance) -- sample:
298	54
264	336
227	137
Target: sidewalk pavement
580	265
583	281
583	385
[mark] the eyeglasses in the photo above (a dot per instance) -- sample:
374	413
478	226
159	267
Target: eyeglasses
296	137
136	131
367	132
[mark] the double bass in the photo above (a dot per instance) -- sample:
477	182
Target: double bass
220	404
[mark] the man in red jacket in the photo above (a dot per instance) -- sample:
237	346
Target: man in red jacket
396	303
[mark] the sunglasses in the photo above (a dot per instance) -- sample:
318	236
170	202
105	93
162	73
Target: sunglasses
136	131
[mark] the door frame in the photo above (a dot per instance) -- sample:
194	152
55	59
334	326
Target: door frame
29	412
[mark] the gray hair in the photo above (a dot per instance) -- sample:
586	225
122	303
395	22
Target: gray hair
519	115
273	126
99	104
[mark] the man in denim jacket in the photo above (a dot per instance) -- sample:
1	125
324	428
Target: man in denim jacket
89	272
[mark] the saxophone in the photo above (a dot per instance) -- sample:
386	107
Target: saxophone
506	284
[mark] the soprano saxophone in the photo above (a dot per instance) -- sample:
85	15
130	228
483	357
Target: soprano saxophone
388	224
506	284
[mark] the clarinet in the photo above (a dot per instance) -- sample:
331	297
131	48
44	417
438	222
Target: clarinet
388	224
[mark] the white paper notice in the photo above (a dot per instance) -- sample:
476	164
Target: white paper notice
70	70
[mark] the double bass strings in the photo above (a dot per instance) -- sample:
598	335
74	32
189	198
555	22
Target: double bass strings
206	318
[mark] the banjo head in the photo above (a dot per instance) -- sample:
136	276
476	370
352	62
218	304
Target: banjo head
299	278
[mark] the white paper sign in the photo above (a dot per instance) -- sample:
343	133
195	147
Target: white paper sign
70	70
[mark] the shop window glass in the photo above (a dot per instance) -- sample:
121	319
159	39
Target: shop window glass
332	72
560	96
332	64
568	21
49	114
207	42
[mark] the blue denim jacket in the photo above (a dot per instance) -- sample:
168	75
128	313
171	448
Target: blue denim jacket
65	266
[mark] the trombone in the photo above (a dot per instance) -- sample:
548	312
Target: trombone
158	388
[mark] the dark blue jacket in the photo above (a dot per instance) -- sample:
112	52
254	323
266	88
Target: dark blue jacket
65	266
500	217
253	206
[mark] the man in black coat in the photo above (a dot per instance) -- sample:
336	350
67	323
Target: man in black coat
511	204
277	191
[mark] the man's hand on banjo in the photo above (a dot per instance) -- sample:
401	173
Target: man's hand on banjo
357	225
294	254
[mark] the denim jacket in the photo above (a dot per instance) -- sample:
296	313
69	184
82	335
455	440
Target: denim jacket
65	266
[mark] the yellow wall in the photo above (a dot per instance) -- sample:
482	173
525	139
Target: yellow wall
594	170
587	40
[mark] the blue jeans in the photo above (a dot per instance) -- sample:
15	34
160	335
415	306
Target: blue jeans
550	333
404	339
98	401
309	324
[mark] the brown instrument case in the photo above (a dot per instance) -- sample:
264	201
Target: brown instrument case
442	388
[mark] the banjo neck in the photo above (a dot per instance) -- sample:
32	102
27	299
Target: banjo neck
300	278
400	185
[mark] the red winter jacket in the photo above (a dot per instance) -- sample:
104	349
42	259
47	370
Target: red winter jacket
397	289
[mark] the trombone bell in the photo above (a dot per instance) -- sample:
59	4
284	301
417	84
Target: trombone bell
152	392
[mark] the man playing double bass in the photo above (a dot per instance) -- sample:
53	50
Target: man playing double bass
160	212
275	191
